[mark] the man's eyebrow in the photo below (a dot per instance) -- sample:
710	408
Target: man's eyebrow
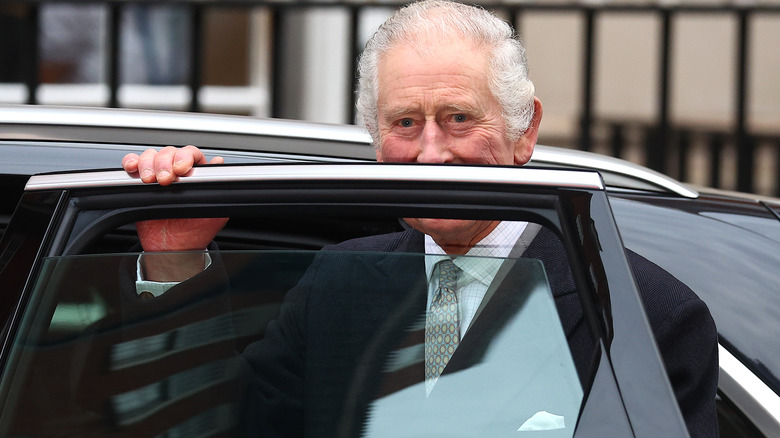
392	113
462	107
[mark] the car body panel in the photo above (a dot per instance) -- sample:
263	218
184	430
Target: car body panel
310	141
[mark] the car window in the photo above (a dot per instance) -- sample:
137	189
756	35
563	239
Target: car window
719	262
13	186
211	355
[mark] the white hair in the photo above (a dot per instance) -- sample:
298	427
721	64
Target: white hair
418	23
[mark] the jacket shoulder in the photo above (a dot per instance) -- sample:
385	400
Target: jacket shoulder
409	240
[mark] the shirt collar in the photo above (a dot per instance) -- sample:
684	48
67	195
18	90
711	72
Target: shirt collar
485	257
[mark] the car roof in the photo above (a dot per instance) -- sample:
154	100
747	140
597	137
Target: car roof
241	137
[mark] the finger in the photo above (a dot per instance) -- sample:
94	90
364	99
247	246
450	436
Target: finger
163	165
198	156
130	163
186	158
146	166
217	160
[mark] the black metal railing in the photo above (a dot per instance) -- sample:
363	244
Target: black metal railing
664	142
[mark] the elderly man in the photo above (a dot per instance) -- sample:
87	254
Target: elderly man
442	82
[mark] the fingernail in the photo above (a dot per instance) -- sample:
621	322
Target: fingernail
163	174
146	173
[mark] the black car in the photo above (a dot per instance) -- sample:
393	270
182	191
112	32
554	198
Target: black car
81	355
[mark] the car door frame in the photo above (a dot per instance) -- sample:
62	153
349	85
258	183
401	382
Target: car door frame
572	202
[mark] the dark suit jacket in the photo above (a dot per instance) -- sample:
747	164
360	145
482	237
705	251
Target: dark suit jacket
348	308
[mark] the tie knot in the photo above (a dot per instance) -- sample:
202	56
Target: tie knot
448	274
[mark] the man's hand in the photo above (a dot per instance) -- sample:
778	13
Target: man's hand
165	167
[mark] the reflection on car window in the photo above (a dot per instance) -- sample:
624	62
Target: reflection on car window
512	372
699	242
287	343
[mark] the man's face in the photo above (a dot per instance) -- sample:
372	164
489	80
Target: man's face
437	107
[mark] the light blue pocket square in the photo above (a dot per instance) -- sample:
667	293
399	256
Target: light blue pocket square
543	420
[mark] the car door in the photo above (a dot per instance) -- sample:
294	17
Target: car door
725	248
278	335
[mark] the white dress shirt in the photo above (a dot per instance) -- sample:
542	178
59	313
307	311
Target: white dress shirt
480	267
145	288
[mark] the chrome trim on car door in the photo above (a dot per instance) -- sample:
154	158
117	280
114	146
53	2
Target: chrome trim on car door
753	397
337	172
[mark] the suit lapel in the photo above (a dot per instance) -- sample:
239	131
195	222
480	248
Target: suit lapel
520	247
548	248
396	353
404	326
510	288
392	360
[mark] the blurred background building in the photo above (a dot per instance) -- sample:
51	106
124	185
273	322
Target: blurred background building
688	88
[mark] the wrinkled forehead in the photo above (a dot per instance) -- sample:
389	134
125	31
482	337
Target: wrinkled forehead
442	55
446	77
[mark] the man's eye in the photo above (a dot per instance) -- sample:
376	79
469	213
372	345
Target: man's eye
406	123
459	118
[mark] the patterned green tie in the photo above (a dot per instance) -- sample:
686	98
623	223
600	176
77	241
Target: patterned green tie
442	326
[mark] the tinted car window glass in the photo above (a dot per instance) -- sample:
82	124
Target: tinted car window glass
225	351
732	268
13	186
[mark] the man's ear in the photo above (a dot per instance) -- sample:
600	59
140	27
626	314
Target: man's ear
524	146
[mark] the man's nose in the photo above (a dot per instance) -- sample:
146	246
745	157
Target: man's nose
433	145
